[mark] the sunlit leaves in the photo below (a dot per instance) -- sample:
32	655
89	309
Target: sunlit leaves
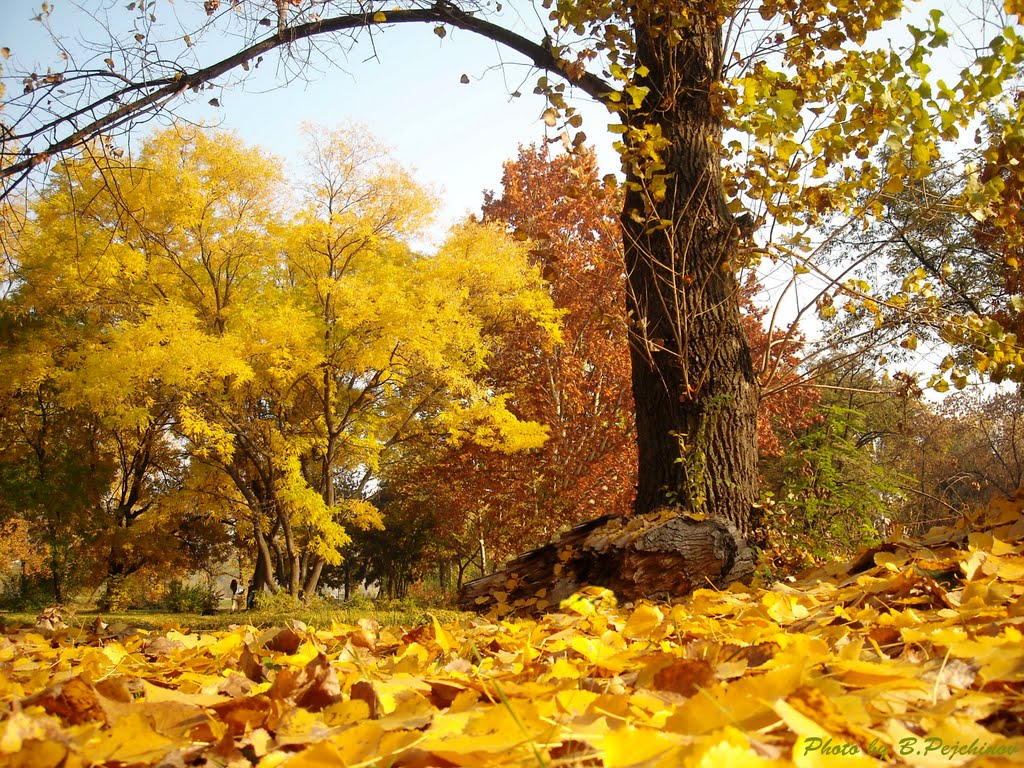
826	114
575	382
290	350
879	657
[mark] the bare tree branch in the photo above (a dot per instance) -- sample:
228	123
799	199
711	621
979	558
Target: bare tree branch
160	91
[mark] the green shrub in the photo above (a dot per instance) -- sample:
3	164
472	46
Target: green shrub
26	593
359	603
280	602
191	598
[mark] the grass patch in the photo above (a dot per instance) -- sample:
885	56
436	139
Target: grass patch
320	615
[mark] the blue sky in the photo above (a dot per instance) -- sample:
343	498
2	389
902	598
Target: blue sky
456	136
405	88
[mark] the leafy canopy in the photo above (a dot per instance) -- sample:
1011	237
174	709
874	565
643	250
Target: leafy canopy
289	348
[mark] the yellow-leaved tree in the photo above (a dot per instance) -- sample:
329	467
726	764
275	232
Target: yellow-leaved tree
288	349
121	278
402	338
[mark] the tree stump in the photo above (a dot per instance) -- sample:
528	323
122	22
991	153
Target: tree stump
658	556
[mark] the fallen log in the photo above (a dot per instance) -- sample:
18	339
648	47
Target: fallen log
660	555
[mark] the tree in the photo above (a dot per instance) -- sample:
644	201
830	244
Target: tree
999	223
209	333
909	276
839	482
808	92
962	454
580	387
53	473
788	400
488	503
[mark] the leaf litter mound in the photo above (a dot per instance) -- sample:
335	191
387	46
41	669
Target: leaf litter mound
912	654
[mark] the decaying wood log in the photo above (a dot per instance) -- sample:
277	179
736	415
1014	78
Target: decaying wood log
660	555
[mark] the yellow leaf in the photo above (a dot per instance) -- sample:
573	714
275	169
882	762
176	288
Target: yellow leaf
563	668
497	729
890	560
21	730
894	185
345	712
396	688
305	654
575	702
784	608
745	703
733	750
643	623
131	740
637	93
443	637
972	565
226	644
412	712
40	754
380	17
629	746
320	755
363	744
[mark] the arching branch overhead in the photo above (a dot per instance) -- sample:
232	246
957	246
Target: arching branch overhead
135	99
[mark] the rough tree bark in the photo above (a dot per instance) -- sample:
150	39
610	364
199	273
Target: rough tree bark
693	380
658	556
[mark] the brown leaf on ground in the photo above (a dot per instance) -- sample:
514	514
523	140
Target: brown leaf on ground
73	701
312	687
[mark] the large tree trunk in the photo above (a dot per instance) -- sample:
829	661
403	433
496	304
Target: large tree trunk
693	380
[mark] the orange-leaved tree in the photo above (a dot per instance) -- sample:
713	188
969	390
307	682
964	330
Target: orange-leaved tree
788	398
488	503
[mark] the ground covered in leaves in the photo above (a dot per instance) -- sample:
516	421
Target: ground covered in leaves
912	654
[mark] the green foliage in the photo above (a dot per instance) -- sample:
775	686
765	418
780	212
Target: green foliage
359	603
834	487
838	482
53	471
274	610
192	598
392	555
275	602
26	593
